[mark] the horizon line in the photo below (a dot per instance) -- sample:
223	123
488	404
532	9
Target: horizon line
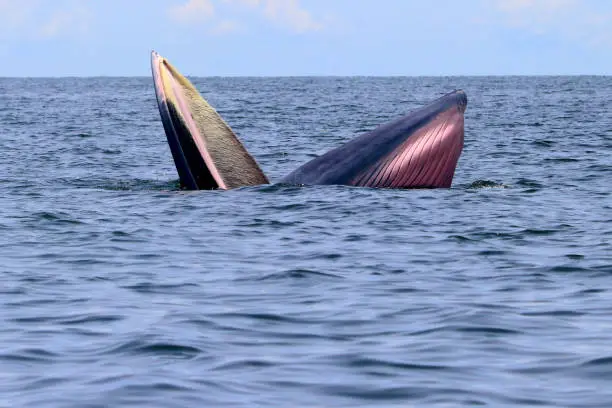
306	76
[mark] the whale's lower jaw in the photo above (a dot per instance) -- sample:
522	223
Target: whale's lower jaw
419	150
427	159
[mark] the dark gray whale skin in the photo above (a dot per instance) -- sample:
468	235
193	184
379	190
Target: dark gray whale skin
358	161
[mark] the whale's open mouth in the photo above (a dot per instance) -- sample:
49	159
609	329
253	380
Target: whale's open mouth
206	152
418	150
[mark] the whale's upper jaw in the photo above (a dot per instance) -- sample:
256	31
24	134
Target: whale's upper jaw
419	150
206	152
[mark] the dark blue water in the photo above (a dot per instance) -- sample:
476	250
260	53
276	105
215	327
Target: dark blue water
118	289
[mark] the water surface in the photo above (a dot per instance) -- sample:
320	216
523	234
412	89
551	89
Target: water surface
119	289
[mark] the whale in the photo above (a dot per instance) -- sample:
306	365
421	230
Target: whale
419	149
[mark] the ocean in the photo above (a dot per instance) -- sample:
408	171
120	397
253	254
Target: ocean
117	288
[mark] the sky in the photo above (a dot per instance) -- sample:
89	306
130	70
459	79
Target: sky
306	37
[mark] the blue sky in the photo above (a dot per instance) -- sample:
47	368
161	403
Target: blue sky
306	37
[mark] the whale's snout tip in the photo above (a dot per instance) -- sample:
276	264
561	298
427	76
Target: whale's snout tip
461	100
155	56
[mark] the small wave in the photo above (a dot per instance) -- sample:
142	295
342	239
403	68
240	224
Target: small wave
151	388
486	184
539	232
487	330
58	218
460	238
597	362
492	252
354	361
561	159
122	185
168	349
567	269
161	349
544	143
599	367
138	185
555	313
575	257
273	188
603	268
299	274
245	364
484	330
262	317
523	182
290	207
86	319
391	393
147	287
30	355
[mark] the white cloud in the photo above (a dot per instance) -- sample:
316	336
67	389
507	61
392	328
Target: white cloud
250	3
290	14
537	15
33	19
570	19
194	11
540	5
226	27
14	15
65	22
286	13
